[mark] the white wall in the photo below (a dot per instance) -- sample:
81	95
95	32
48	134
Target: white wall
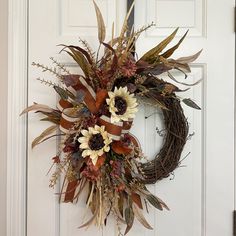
3	113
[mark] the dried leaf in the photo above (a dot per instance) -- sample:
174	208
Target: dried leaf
62	92
157	69
70	80
125	24
156	202
169	52
112	43
80	59
53	117
176	65
114	64
101	160
84	52
191	103
189	59
44	134
121	205
170	88
162	203
101	96
174	79
91	220
129	219
138	214
37	107
101	25
50	119
137	199
153	53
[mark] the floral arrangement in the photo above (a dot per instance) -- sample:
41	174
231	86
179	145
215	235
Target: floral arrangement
98	154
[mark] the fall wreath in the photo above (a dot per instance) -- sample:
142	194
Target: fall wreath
98	154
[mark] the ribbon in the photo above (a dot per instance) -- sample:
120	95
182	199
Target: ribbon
69	118
115	130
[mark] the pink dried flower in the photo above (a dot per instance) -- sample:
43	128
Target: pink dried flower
116	168
91	172
129	68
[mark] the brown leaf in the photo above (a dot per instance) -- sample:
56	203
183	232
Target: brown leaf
44	134
101	25
137	199
169	52
191	103
84	52
125	24
189	59
138	214
91	220
101	96
37	107
113	68
154	52
170	88
186	84
101	160
121	205
80	59
71	80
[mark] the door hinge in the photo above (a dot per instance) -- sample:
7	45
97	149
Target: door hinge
234	223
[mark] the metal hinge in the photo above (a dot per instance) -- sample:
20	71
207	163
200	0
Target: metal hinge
234	223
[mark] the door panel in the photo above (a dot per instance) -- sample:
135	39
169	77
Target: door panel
200	193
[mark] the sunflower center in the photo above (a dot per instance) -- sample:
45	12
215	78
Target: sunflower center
96	142
121	105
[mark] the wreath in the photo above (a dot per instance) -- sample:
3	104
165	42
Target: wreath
97	152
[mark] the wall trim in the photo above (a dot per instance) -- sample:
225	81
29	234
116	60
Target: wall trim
17	126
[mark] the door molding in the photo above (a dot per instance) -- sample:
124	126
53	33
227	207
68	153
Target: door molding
17	126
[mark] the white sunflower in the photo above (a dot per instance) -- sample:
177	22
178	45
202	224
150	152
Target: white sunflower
122	104
95	142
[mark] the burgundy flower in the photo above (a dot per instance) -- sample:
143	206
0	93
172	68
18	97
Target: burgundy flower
128	69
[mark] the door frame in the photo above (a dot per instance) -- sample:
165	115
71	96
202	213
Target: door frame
17	125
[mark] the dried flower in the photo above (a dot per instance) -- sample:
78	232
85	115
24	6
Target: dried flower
128	68
95	142
91	172
122	105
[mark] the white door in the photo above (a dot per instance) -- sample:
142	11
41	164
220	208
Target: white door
200	193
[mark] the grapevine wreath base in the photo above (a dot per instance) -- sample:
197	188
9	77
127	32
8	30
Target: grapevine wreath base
168	159
97	153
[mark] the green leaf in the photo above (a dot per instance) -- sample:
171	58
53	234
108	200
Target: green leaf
152	54
191	103
62	92
156	202
129	219
152	199
101	25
